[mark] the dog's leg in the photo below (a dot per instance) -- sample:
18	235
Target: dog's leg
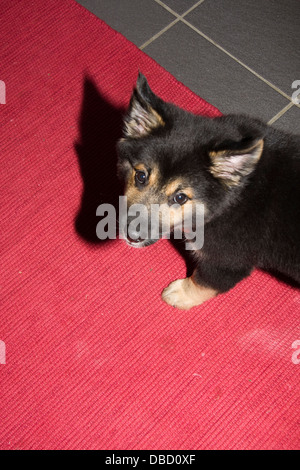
206	282
187	293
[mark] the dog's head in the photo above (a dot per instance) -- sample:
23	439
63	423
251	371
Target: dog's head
178	160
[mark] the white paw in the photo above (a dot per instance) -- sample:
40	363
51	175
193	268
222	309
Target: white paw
176	295
185	294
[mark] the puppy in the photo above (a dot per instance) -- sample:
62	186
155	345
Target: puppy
244	173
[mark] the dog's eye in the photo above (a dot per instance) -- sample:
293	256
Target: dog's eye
140	177
180	198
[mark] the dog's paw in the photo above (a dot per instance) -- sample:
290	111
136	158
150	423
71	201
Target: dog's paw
175	294
185	294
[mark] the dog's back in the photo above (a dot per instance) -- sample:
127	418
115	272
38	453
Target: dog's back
281	190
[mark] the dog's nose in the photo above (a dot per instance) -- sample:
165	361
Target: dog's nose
134	235
135	240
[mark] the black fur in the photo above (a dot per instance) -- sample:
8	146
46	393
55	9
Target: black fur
253	202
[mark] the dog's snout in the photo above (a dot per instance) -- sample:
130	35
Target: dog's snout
135	240
134	236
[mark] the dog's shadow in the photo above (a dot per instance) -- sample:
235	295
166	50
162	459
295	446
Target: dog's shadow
100	127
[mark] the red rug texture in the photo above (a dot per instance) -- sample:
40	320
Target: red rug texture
91	356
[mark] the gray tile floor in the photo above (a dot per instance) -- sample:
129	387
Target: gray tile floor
241	56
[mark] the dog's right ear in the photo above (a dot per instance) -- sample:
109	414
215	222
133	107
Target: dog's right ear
144	114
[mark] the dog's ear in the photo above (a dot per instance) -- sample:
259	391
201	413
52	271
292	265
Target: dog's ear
144	111
235	160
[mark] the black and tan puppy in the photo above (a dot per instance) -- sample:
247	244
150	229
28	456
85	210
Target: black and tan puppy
244	172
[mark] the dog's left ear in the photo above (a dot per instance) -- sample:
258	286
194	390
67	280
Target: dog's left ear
144	111
238	160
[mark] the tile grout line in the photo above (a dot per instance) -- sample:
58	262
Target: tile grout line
158	34
281	113
207	38
166	28
271	85
174	12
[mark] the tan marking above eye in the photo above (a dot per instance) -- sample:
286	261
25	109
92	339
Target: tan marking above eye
189	192
140	167
178	186
172	187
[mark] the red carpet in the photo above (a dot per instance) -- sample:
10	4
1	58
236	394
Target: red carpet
94	359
